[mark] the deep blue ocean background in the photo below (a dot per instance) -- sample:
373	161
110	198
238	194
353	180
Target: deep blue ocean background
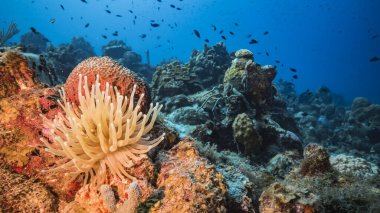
329	42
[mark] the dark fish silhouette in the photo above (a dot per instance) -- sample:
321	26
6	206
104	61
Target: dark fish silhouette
236	24
62	7
143	36
213	27
105	37
154	25
197	33
374	59
84	1
374	36
295	76
266	33
179	8
172	6
249	35
131	11
220	32
116	33
207	41
277	61
52	20
266	53
119	16
108	11
224	37
159	0
292	69
88	24
33	30
253	41
232	33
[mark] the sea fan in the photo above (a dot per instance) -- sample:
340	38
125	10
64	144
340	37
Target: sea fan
5	35
106	132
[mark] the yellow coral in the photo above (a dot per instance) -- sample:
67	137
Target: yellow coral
105	131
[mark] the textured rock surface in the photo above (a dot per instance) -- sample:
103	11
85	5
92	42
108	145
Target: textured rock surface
20	193
190	182
360	167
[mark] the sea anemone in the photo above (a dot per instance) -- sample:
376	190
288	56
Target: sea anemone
105	132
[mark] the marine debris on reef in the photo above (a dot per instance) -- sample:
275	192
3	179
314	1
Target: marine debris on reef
235	140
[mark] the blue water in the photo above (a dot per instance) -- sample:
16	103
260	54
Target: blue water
328	42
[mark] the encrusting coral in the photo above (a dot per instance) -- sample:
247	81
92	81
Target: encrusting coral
105	130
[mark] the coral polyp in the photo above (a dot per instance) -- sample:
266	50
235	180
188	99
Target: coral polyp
105	132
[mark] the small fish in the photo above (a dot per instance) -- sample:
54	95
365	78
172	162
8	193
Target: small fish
172	6
197	33
159	0
224	37
207	41
52	20
374	59
154	24
104	36
236	24
220	32
108	11
374	36
266	33
277	61
88	24
84	1
62	7
130	11
266	53
134	22
293	69
119	16
179	8
232	33
143	36
253	41
115	33
295	76
213	27
33	30
249	36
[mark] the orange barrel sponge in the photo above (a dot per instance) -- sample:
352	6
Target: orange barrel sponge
109	71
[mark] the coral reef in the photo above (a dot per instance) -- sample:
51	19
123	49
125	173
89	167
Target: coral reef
20	193
191	183
356	166
210	64
119	51
17	76
66	56
315	186
34	42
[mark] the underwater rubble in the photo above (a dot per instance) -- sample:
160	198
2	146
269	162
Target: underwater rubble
229	138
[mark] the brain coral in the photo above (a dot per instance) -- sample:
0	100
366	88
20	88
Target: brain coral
109	71
105	133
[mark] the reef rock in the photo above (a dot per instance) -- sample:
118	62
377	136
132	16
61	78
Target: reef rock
66	56
34	42
210	64
190	182
115	49
251	79
20	193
